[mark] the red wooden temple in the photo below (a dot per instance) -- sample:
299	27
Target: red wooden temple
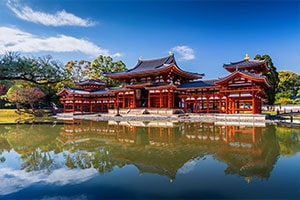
161	83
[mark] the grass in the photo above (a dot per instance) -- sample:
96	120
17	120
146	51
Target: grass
11	116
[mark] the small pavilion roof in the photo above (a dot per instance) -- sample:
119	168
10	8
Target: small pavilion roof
197	84
75	91
154	67
91	82
251	76
247	64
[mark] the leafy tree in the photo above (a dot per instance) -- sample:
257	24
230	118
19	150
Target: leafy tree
19	94
82	69
79	70
41	70
14	95
272	77
287	87
105	64
31	96
288	82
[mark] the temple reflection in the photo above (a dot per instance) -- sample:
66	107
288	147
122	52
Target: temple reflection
164	147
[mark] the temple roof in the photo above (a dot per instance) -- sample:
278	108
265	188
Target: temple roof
75	91
249	65
251	76
154	67
197	84
91	82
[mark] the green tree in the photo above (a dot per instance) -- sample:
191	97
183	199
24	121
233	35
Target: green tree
18	95
82	69
41	70
105	64
272	77
287	87
13	95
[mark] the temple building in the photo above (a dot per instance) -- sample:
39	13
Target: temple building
162	84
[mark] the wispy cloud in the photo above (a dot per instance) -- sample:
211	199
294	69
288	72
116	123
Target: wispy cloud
13	39
185	52
60	18
15	180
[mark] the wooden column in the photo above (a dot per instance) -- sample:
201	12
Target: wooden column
123	103
160	99
149	99
220	104
91	106
134	99
184	104
64	106
253	103
226	105
207	104
169	99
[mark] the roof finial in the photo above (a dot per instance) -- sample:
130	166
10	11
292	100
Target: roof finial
247	57
140	58
170	53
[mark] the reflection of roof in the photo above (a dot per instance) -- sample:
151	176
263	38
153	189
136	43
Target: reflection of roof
83	92
257	65
197	84
154	67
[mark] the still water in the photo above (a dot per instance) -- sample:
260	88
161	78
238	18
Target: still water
149	160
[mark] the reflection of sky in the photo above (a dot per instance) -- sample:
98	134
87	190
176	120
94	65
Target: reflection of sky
187	167
12	159
15	180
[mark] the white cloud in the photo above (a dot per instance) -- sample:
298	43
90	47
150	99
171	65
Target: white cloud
60	18
185	52
16	180
13	39
187	167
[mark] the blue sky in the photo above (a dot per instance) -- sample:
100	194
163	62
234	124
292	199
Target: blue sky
203	35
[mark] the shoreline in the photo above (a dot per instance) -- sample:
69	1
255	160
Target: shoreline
192	117
218	119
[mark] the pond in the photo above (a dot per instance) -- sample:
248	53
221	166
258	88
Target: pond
149	160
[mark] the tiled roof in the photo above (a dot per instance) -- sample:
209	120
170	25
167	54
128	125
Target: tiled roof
91	81
153	66
197	84
244	64
250	75
148	65
84	92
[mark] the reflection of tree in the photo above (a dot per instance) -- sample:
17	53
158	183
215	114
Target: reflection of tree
289	140
259	161
35	143
99	159
159	150
38	160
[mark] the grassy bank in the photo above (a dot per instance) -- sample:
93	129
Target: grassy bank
11	116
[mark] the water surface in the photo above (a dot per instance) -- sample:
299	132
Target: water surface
149	160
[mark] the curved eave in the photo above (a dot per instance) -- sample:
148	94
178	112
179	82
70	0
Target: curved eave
198	88
83	93
236	73
246	64
170	86
90	82
116	90
187	75
175	68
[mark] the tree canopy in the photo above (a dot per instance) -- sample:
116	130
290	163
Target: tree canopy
41	70
272	77
288	87
82	69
